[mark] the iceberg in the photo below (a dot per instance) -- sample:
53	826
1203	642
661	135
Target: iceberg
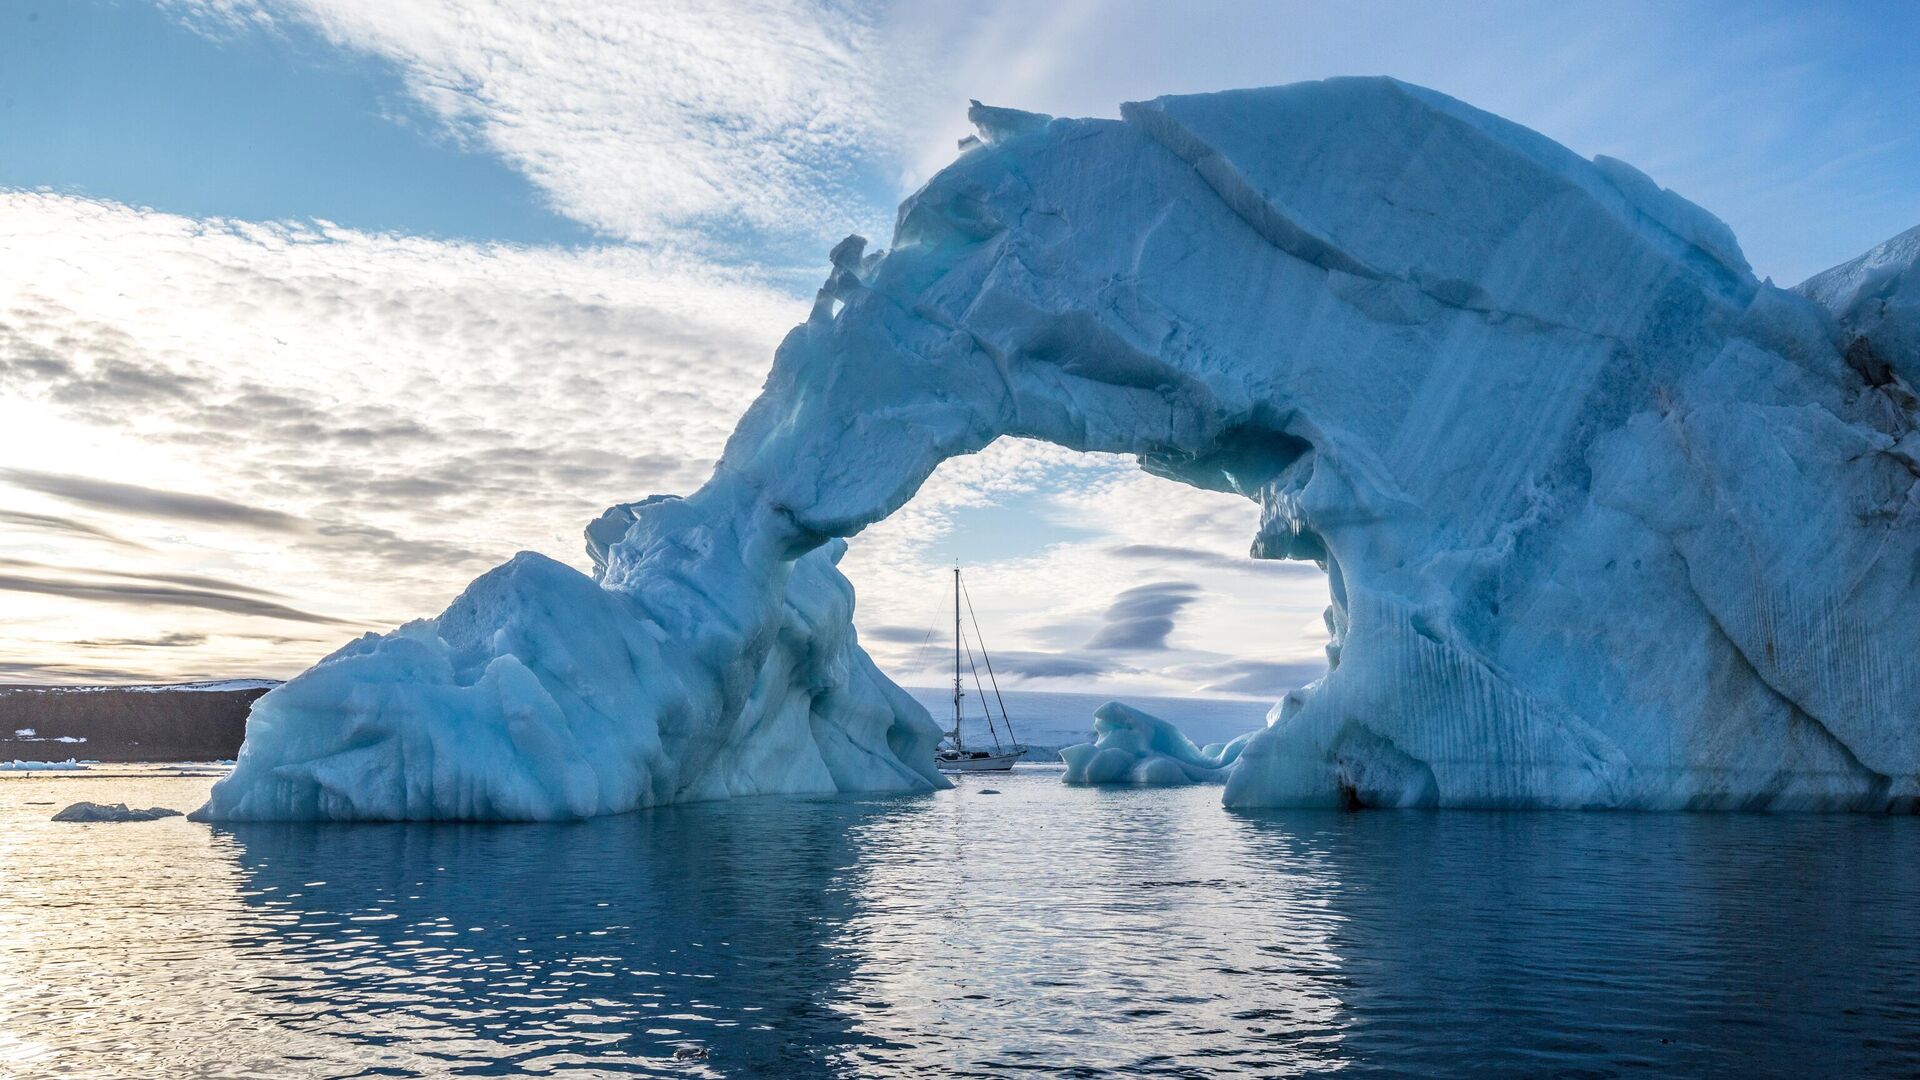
539	694
1608	522
1876	300
1134	747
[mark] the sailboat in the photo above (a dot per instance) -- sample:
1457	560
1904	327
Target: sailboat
953	754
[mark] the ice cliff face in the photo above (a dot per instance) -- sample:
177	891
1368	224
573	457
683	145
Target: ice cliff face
1608	521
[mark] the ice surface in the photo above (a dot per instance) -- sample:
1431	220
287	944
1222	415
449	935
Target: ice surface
1876	297
1133	747
540	694
69	765
1608	522
93	811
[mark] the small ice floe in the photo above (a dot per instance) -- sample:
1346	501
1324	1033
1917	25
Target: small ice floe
93	811
25	733
69	765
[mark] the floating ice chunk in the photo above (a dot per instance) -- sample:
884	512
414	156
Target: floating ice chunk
1133	747
69	765
93	811
32	735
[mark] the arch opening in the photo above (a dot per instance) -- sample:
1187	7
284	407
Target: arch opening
1119	584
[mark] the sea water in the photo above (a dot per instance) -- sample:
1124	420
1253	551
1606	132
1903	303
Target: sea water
1010	926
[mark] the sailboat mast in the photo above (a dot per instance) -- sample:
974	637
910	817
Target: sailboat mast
957	692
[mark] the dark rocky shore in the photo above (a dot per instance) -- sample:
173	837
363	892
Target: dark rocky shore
191	722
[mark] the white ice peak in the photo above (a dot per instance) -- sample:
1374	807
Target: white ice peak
1608	521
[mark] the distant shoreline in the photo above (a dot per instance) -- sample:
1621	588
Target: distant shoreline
125	724
207	721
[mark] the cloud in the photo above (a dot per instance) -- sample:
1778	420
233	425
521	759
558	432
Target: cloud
165	641
195	581
366	420
24	673
150	502
1256	678
55	523
899	635
1042	665
1141	617
160	595
1198	557
643	119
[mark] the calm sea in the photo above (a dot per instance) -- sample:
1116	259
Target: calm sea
1039	930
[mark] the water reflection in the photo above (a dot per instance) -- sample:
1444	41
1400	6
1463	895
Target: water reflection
491	950
1043	928
1593	944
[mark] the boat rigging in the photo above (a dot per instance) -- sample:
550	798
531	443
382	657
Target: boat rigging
953	755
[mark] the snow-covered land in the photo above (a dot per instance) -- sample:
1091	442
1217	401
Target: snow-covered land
1608	521
218	686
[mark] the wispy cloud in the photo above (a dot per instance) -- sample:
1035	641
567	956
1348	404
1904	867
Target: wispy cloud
164	641
58	524
151	502
899	635
30	673
130	594
192	581
1042	665
1175	554
1255	678
653	122
372	419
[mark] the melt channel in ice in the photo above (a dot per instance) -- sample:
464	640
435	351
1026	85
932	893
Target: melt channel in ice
1608	521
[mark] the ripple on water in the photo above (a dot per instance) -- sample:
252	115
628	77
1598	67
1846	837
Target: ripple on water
1052	928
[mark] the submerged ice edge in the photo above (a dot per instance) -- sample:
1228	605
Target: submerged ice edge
1607	521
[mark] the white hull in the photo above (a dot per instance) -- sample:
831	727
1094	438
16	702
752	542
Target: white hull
983	763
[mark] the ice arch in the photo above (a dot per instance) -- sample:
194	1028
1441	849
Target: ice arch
1608	521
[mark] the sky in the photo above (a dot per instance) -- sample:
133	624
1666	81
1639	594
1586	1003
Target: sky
313	310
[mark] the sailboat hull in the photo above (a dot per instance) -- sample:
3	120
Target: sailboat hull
981	763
